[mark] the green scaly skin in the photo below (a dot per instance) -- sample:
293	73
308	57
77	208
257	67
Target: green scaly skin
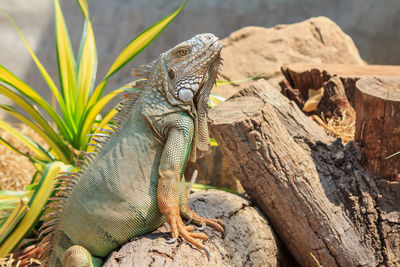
134	182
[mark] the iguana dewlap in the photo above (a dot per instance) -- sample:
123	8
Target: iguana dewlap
133	182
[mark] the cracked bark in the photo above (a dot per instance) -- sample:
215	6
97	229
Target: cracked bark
317	196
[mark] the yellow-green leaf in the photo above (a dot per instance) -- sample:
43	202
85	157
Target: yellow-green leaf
141	41
87	61
32	112
11	147
36	204
219	83
199	187
92	113
84	8
213	142
11	195
215	100
66	59
42	70
61	151
40	152
107	118
9	78
16	215
134	48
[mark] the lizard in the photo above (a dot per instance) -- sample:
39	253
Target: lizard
133	182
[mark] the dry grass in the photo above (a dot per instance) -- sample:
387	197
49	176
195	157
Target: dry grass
21	259
342	126
16	171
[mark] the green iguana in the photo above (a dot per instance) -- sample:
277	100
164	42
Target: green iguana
133	182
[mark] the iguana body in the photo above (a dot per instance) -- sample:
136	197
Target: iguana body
134	182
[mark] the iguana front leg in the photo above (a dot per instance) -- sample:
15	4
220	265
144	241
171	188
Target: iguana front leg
191	216
172	163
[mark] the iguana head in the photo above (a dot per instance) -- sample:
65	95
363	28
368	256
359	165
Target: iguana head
191	65
185	75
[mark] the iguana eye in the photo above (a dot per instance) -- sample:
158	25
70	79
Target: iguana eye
183	52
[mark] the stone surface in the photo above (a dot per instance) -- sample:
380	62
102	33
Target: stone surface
255	50
249	239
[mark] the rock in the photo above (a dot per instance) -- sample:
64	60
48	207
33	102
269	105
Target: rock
249	239
255	50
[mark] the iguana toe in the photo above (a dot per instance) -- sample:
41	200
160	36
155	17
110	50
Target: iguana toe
179	229
217	224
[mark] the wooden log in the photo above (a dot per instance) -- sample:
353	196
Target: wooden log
378	125
338	81
324	206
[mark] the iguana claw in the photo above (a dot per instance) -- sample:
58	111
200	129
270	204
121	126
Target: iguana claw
171	241
207	253
201	228
189	221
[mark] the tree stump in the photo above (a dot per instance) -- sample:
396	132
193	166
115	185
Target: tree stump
317	196
338	81
378	125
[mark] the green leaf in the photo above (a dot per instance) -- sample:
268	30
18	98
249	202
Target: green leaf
42	70
36	203
10	194
34	113
66	61
59	148
215	100
91	114
13	219
397	153
213	142
8	202
11	147
198	187
9	78
84	8
219	83
40	152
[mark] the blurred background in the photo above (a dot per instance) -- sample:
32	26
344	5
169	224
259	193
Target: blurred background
374	26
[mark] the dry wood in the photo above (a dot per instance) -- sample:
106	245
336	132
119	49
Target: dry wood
338	81
325	207
378	124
